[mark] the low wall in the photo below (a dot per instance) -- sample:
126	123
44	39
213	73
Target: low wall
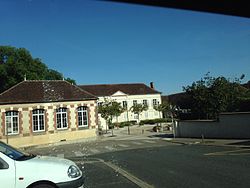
229	125
50	138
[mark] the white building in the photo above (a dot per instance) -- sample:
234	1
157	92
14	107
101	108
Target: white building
127	95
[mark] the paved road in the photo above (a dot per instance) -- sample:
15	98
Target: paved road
86	149
156	163
186	166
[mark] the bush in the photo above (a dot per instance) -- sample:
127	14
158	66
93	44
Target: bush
153	121
133	122
116	124
156	128
111	126
123	124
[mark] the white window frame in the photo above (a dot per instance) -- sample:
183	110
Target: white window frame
135	102
145	102
125	104
82	113
62	118
10	116
155	102
39	114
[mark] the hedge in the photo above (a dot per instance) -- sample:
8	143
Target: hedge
154	121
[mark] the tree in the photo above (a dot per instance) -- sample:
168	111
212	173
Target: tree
17	63
108	110
211	96
165	108
138	109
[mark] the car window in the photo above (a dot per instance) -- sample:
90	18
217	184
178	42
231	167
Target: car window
3	164
10	151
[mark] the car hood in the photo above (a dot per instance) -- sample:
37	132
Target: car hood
44	168
51	160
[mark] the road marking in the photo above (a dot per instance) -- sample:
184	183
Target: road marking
109	148
94	150
124	173
231	152
149	141
78	154
123	145
137	143
129	176
60	155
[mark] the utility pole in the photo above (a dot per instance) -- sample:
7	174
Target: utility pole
127	115
7	135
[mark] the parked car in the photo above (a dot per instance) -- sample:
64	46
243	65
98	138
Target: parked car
21	170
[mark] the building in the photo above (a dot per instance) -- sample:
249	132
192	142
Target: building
40	112
127	95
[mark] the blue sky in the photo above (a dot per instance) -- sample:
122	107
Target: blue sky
96	42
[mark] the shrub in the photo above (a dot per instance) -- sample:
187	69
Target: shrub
116	124
111	126
153	121
133	122
124	124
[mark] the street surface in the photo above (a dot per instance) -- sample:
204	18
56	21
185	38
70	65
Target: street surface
151	162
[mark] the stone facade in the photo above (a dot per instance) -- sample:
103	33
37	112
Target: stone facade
26	135
41	112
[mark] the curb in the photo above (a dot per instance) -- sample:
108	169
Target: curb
207	144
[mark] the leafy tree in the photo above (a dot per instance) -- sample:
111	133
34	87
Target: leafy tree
165	108
138	109
109	110
17	63
211	95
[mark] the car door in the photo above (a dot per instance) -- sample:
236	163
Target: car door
7	172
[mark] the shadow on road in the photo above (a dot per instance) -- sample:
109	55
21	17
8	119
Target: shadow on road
161	136
243	143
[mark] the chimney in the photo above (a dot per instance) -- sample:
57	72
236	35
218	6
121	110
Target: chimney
152	85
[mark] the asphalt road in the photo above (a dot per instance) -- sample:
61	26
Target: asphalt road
157	163
186	166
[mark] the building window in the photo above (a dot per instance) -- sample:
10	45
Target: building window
134	102
145	102
61	118
136	116
155	102
38	120
11	122
124	104
82	116
99	103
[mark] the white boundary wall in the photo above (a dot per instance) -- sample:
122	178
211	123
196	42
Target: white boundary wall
229	125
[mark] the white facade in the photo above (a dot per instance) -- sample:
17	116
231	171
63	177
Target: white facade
123	98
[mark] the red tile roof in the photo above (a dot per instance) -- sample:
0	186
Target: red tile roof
43	91
110	89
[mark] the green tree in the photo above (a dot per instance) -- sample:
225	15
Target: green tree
211	95
138	109
108	110
166	109
17	63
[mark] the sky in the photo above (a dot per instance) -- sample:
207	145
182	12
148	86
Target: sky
99	42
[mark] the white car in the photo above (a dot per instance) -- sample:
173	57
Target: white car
20	170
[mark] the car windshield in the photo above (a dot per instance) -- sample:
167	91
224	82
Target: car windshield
14	153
